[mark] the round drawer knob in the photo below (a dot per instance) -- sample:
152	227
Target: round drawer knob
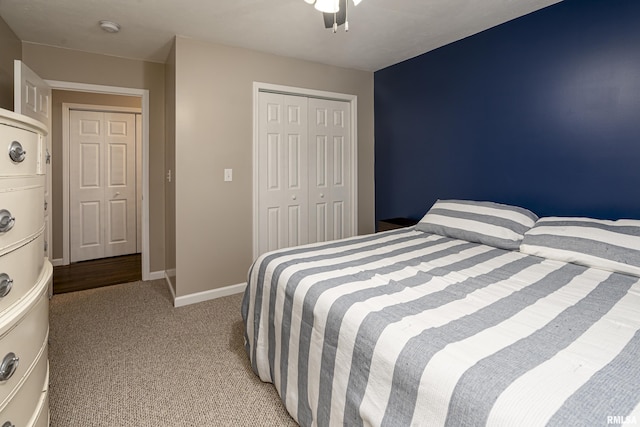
8	366
16	153
6	221
6	283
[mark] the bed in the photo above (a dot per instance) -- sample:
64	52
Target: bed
482	314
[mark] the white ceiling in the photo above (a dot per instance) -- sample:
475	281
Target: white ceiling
382	32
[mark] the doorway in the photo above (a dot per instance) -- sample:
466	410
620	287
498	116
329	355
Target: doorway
63	258
120	115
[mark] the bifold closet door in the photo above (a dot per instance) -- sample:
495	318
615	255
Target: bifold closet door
304	177
102	184
282	171
330	186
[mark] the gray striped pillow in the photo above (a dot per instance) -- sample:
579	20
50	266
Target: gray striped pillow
489	223
604	244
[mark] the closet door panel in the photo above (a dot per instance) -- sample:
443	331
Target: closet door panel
282	171
330	186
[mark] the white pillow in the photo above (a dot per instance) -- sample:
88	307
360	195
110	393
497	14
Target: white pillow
608	245
489	223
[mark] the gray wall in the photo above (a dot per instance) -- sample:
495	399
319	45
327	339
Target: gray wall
170	165
214	131
53	63
10	49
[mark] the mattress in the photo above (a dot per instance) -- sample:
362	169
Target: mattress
410	328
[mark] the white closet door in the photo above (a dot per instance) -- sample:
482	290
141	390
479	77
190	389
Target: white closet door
102	185
330	211
282	171
120	190
86	204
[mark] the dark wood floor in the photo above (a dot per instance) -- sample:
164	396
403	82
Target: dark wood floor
97	273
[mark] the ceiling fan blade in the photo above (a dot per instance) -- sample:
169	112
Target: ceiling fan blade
340	17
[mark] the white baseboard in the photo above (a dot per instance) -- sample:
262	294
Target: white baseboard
57	262
208	295
156	275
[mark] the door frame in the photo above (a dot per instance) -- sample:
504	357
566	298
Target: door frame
115	90
67	107
311	93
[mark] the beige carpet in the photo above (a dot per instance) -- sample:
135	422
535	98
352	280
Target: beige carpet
123	356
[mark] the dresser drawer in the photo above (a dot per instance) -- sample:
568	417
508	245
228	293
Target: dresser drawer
22	268
21	211
26	403
24	339
19	151
42	419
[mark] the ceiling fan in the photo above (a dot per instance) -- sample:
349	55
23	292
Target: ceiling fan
334	12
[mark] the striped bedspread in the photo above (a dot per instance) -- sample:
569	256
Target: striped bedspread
409	328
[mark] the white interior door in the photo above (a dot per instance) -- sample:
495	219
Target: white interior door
102	184
304	171
282	171
32	97
330	186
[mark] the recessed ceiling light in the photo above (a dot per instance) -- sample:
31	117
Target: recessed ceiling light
110	26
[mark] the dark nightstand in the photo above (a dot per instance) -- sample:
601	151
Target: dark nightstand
393	223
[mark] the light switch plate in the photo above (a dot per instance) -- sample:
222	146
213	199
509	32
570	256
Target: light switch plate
228	174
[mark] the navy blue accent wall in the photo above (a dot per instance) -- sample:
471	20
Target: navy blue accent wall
542	112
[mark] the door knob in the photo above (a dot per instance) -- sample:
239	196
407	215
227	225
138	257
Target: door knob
293	197
322	195
117	194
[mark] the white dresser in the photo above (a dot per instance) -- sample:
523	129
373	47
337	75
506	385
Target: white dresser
25	273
